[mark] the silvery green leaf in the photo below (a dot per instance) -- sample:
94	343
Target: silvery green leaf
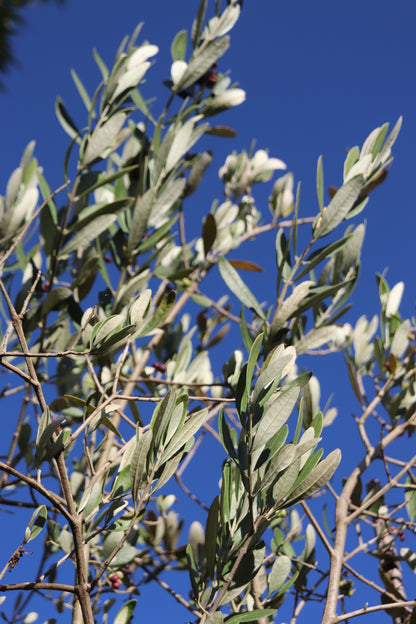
281	462
197	23
128	451
125	556
388	144
370	141
316	338
178	47
401	339
351	251
362	166
135	68
238	287
223	101
14	186
281	361
141	213
285	483
81	90
394	299
319	476
320	254
291	304
202	60
159	315
320	183
20	212
161	417
184	138
102	329
181	437
196	174
220	25
65	541
36	523
215	618
65	120
138	465
177	70
310	541
27	155
139	307
103	137
340	205
125	614
306	445
249	616
165	200
169	469
410	498
279	573
91	498
352	157
276	416
43	424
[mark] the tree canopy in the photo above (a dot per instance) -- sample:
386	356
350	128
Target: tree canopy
131	336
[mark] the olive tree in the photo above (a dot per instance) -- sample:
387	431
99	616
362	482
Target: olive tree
129	337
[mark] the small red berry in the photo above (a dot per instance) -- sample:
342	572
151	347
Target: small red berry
213	77
116	585
114	578
108	259
161	368
46	287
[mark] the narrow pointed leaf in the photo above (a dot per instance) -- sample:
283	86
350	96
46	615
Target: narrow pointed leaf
211	531
160	314
320	183
275	417
339	206
125	614
141	214
36	523
319	476
202	60
181	437
238	287
138	465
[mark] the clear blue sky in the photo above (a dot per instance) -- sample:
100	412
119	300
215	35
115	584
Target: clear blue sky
319	77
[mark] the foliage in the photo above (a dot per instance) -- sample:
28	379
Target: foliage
99	276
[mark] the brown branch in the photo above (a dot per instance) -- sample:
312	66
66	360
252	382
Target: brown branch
343	518
383	607
35	585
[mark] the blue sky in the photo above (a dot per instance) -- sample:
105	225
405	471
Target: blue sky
319	77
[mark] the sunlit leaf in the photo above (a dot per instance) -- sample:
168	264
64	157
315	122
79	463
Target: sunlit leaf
138	465
339	206
276	416
36	523
238	287
126	612
279	573
202	60
178	47
319	476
